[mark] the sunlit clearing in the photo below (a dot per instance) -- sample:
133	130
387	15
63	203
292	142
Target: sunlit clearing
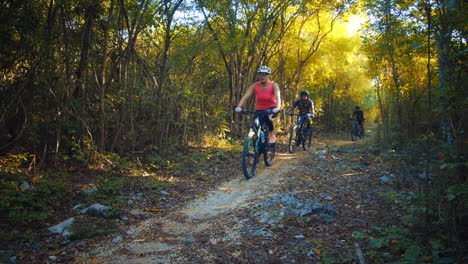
213	141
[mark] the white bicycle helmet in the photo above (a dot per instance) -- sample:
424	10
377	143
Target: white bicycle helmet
264	69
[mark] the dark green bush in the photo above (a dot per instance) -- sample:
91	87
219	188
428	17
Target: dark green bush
26	206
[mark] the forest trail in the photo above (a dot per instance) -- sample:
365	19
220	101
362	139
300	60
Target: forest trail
203	224
203	216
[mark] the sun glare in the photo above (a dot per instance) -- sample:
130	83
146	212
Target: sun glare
354	24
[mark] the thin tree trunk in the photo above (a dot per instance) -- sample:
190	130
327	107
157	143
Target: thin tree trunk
102	82
91	13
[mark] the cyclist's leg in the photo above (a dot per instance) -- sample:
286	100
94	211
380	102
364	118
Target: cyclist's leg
304	122
308	121
272	135
301	118
265	120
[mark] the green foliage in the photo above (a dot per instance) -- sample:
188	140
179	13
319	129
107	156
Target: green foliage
85	151
156	186
458	191
14	162
26	206
108	193
406	239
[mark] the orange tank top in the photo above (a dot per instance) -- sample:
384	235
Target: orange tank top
265	98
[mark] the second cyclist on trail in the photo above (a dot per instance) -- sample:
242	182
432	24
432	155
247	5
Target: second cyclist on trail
306	110
267	95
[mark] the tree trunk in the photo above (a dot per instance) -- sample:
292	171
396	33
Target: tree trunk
102	82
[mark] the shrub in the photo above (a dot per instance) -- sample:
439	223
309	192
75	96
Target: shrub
26	206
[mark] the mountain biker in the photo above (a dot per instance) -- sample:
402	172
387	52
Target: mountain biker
306	109
359	114
267	95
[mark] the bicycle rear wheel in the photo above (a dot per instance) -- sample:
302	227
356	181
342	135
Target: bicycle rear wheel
293	139
249	157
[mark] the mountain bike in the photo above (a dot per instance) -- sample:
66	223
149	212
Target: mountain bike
256	143
357	132
299	134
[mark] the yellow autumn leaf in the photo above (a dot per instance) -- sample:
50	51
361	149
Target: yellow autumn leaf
405	221
95	259
317	251
154	209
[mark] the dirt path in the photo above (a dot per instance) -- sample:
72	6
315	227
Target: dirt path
205	221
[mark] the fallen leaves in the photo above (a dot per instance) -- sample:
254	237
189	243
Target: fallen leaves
152	210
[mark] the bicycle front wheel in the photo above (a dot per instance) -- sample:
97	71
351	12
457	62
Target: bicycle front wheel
353	133
269	153
307	142
293	139
249	157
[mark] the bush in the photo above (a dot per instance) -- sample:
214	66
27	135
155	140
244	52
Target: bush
109	189
26	206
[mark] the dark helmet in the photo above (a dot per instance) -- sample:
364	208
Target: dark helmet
305	92
358	106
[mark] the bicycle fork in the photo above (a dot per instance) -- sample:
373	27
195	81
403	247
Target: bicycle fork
255	134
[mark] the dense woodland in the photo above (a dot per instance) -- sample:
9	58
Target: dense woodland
84	82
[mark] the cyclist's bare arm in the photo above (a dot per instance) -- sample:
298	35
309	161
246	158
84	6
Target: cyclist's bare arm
311	108
246	96
277	95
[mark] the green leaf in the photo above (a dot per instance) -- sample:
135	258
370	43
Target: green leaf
446	261
359	235
457	190
377	242
412	253
417	45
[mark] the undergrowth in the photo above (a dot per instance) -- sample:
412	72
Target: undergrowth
429	198
31	196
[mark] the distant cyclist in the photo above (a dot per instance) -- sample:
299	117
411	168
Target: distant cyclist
267	95
306	109
359	115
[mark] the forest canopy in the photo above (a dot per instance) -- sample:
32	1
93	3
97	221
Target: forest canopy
124	76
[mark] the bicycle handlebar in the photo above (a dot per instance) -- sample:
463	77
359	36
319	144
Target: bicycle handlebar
292	114
268	111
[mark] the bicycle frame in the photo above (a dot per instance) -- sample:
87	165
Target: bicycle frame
299	123
257	128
